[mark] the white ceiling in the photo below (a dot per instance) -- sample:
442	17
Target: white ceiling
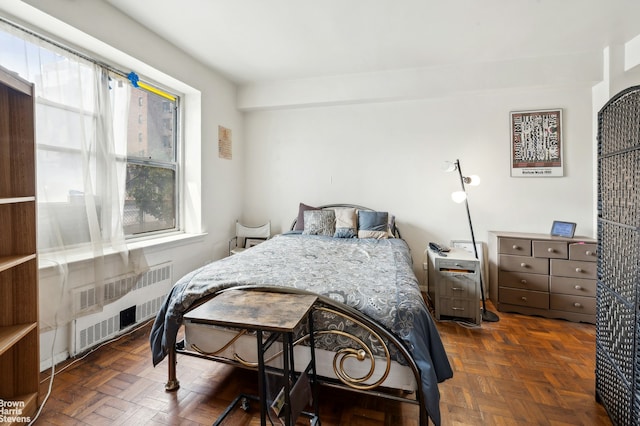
253	41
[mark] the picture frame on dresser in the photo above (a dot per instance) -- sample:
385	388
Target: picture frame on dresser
563	229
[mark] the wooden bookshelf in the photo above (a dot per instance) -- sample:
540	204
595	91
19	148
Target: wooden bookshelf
19	335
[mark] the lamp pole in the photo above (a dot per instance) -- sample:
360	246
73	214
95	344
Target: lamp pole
486	315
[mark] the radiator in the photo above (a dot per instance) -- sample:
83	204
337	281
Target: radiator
117	315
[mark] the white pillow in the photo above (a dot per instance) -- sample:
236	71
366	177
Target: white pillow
346	222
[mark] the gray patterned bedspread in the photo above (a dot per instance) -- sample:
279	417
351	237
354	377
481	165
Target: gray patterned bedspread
372	276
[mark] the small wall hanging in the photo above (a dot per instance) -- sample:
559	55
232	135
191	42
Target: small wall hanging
224	143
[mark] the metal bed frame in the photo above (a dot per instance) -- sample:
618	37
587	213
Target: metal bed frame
383	336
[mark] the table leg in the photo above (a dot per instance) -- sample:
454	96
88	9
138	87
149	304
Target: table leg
287	372
314	381
262	385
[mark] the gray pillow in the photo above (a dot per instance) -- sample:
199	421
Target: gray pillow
373	224
319	222
300	221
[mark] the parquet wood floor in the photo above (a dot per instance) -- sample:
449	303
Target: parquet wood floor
521	370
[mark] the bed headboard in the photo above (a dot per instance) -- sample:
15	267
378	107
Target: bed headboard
396	231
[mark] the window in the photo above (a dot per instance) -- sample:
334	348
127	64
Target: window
151	165
77	110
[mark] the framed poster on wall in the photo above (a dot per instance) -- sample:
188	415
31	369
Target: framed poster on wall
536	143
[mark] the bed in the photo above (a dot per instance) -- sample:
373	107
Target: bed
372	330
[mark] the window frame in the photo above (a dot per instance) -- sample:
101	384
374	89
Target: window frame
175	166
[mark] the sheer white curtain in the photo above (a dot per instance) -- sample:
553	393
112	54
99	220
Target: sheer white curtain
81	137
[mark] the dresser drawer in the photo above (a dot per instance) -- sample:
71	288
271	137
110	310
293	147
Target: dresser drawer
532	299
575	286
458	285
583	251
458	307
516	246
573	268
570	303
550	249
524	281
531	265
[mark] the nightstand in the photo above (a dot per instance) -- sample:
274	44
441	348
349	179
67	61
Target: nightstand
454	285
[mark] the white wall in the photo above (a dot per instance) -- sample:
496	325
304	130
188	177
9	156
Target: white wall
390	156
372	140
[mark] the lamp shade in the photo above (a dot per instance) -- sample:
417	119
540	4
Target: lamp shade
458	196
449	166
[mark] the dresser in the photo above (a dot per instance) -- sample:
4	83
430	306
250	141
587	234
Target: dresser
536	274
454	285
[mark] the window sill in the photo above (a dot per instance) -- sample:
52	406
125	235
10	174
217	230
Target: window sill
149	244
168	241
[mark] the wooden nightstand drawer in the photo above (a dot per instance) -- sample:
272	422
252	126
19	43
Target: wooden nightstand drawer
530	265
575	286
458	307
515	246
573	268
532	299
583	251
458	285
550	249
570	303
524	281
453	265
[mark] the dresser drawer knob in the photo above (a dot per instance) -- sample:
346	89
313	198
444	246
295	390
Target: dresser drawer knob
577	305
524	265
588	253
515	247
457	309
523	282
524	298
578	270
578	287
550	250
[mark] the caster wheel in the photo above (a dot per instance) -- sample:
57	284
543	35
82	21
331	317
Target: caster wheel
244	403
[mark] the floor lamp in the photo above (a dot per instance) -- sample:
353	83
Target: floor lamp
459	197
